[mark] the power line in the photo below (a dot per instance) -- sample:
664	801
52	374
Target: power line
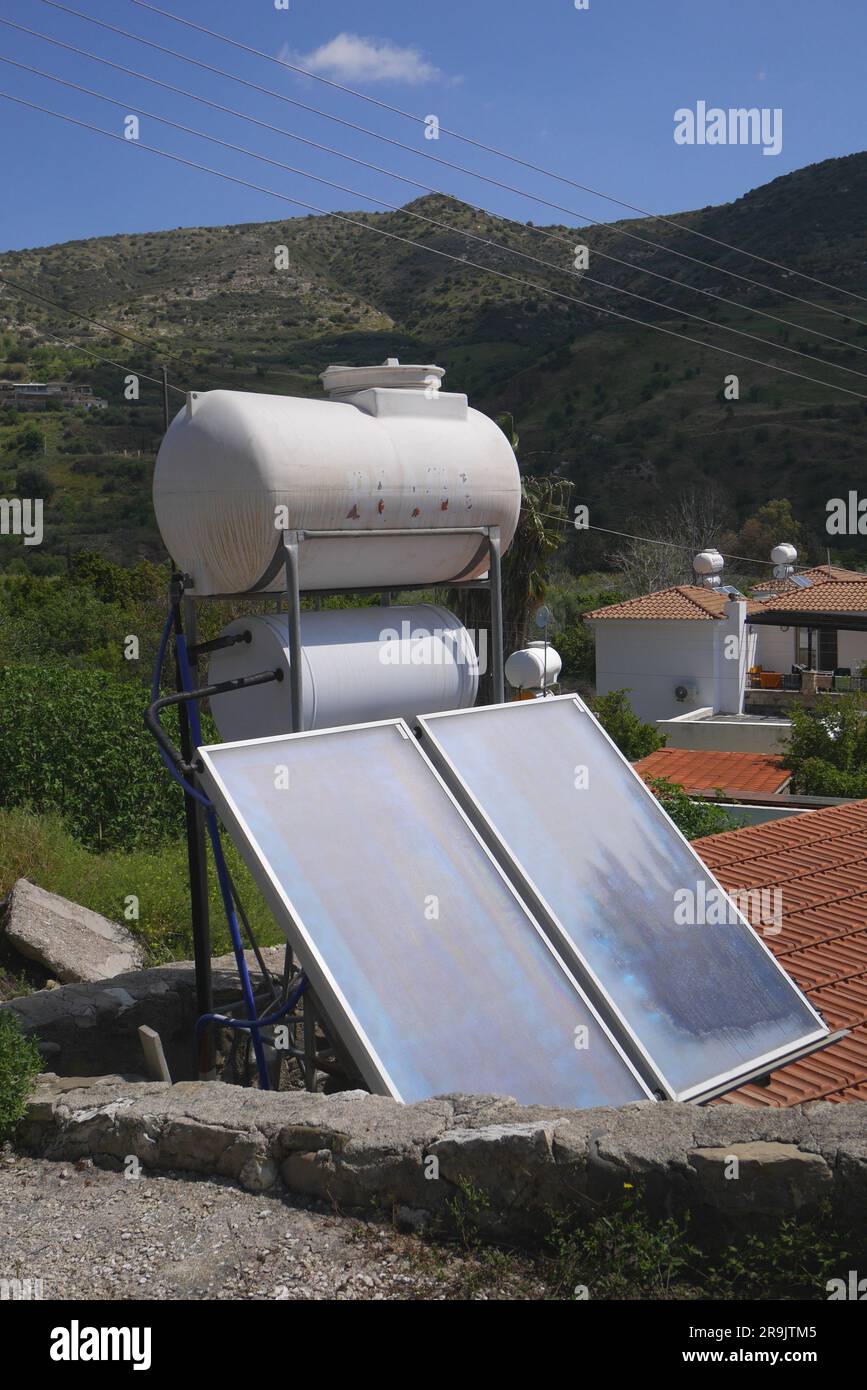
390	173
431	250
450	164
75	313
652	540
478	144
430	221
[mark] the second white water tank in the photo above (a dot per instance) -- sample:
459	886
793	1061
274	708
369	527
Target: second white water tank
360	664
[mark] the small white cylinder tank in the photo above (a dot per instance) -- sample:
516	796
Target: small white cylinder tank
360	664
236	468
708	562
528	669
784	554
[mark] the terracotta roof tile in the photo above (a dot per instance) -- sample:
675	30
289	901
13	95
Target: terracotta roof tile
834	596
690	601
705	771
819	574
819	861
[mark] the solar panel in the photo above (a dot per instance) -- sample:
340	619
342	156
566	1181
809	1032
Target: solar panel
422	956
697	1002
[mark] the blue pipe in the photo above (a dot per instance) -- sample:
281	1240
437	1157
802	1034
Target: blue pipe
223	875
155	695
216	845
226	1021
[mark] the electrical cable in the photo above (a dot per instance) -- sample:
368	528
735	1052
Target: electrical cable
460	260
431	221
427	188
612	229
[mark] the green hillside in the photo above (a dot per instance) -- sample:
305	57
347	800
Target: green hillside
631	415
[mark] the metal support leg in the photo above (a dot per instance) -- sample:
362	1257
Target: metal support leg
198	867
495	576
309	1043
293	609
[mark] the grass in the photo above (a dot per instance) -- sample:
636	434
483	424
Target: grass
39	848
619	1251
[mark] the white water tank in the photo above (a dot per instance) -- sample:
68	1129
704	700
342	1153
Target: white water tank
533	666
708	562
784	554
360	664
389	451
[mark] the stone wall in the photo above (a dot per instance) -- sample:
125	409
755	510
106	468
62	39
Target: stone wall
89	1029
735	1169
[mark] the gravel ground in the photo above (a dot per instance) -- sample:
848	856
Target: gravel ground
93	1234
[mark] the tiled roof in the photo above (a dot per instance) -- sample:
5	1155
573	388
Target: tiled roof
681	601
832	596
819	574
703	772
819	862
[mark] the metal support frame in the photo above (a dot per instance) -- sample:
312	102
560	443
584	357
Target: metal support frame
197	863
287	558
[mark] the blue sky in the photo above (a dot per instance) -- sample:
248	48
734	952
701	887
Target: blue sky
591	94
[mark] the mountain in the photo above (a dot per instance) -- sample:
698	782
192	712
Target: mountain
629	413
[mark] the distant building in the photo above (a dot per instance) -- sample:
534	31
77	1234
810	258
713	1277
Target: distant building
689	654
33	395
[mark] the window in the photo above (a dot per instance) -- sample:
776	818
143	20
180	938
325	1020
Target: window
816	648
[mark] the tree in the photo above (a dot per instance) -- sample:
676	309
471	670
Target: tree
32	482
29	441
633	736
540	532
827	751
693	522
769	526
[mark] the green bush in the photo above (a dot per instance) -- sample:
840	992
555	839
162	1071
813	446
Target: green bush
633	737
827	751
692	818
74	742
20	1064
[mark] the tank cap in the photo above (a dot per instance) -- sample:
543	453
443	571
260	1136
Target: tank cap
345	381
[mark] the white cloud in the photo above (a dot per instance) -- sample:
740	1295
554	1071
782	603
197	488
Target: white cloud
355	59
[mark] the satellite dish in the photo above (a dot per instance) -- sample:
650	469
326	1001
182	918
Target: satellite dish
543	616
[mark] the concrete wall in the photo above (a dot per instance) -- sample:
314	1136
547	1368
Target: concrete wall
700	730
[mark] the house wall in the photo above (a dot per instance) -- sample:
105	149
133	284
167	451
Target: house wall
649	658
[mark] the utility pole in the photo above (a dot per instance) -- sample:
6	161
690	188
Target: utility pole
165	372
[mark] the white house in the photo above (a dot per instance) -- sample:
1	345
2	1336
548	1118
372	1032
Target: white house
690	648
676	650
